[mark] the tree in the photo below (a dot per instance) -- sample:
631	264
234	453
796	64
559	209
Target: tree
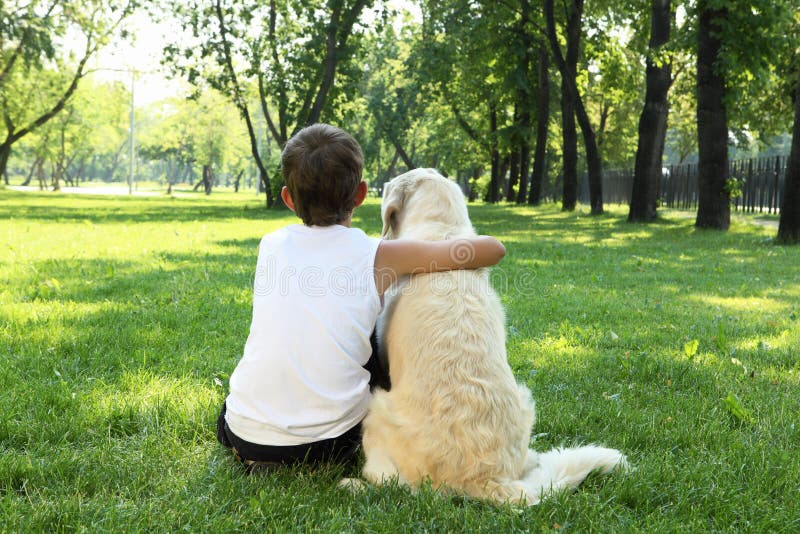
87	136
741	51
287	51
714	209
653	121
203	131
393	97
789	226
569	135
542	123
460	60
36	81
522	33
572	106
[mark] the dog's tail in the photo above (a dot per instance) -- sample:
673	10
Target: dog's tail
563	468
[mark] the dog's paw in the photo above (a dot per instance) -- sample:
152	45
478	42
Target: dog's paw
353	485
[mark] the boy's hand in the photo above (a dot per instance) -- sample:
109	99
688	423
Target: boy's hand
399	257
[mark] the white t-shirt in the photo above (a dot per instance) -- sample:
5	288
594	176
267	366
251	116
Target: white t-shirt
301	378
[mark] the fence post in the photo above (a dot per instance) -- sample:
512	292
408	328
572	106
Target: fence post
748	187
781	183
773	200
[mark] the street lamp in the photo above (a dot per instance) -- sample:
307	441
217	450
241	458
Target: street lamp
133	138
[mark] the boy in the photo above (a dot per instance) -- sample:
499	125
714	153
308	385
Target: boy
302	387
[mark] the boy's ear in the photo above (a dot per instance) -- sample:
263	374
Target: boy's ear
287	198
361	194
393	199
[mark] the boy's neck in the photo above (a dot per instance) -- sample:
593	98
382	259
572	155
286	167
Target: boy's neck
346	222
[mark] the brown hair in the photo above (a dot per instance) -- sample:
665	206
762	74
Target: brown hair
322	168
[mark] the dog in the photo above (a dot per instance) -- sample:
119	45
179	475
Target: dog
455	416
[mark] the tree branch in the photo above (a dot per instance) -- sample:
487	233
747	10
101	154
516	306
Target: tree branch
239	100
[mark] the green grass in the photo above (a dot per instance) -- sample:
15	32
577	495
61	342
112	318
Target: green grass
121	319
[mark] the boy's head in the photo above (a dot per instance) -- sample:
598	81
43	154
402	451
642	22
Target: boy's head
322	168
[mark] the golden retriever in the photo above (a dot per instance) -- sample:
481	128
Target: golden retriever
455	415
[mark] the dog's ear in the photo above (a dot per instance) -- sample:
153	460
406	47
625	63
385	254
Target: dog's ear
393	198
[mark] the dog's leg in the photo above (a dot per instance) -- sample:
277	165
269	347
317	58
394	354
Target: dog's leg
531	462
380	467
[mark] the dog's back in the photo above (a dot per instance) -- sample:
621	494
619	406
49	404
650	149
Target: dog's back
463	411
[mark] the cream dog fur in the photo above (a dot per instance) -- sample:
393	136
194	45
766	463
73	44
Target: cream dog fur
455	415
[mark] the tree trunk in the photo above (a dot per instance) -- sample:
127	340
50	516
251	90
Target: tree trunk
5	152
58	167
593	162
237	181
569	140
78	176
524	171
32	171
789	227
513	173
714	209
569	135
40	175
501	175
208	179
473	194
400	151
494	183
653	120
543	116
241	103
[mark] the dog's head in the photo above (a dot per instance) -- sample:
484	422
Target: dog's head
423	204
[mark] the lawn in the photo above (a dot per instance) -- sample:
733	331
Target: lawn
121	319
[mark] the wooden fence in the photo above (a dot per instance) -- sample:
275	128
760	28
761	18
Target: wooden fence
759	180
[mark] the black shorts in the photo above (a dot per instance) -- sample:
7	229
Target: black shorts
341	449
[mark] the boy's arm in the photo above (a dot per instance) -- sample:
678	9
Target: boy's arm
399	257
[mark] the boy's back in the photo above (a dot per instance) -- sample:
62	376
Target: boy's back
315	304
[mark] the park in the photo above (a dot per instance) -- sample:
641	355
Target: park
650	283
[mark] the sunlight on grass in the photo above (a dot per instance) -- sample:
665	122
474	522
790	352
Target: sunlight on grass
122	318
140	403
740	304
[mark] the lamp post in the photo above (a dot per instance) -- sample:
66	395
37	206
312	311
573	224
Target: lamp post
133	138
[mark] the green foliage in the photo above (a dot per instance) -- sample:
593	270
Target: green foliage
690	348
760	41
420	86
121	318
44	51
93	127
205	130
734	406
612	85
278	52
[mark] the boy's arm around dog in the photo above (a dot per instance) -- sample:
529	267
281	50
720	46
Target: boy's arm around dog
396	258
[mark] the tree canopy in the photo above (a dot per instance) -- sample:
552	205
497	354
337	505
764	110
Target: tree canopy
494	94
